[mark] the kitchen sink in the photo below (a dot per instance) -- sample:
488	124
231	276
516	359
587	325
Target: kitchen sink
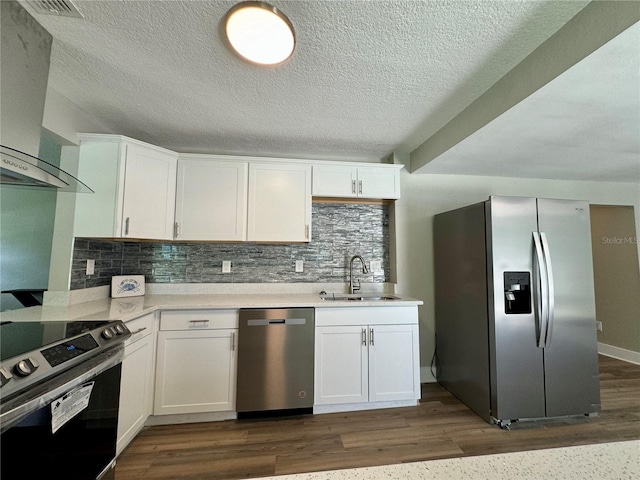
358	298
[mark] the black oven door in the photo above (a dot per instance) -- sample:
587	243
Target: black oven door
67	427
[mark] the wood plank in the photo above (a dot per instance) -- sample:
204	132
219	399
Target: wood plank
439	427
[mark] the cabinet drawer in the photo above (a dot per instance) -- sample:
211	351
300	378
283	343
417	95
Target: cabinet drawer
140	327
198	319
339	316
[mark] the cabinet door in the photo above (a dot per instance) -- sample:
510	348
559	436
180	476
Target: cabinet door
375	182
341	365
148	202
335	181
135	390
211	200
101	166
394	363
279	202
196	371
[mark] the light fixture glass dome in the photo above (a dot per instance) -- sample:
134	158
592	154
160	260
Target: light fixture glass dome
260	33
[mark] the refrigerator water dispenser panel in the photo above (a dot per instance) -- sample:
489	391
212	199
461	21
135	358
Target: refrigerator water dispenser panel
517	292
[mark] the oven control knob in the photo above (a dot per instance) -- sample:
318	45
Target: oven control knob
107	334
5	376
120	329
26	367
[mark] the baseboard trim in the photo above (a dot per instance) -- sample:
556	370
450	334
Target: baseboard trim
354	407
426	376
178	418
619	353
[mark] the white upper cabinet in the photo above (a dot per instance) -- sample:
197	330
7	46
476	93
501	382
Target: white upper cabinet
335	181
352	181
211	200
135	187
378	182
279	202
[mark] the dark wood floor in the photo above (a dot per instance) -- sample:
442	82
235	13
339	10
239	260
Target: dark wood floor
440	427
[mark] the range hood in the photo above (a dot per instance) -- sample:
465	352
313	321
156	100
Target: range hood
24	170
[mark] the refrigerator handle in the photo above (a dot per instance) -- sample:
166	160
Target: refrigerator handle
550	288
540	290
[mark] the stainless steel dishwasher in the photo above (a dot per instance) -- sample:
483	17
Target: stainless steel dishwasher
275	361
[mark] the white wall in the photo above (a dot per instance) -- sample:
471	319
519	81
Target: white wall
65	119
425	195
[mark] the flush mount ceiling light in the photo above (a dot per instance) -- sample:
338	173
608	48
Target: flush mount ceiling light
259	33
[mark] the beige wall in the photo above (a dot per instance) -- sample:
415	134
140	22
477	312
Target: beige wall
617	279
425	195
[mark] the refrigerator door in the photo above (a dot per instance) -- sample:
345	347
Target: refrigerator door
516	362
571	358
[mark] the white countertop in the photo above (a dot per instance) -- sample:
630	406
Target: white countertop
132	307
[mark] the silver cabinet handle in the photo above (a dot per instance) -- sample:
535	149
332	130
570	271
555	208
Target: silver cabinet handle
126	226
360	186
176	230
371	337
364	337
353	186
306	232
198	321
139	330
233	341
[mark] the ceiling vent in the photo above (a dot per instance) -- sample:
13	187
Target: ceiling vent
61	8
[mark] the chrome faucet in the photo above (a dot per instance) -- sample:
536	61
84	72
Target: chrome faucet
352	287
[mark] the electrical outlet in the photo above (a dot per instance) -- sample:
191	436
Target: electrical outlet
376	266
299	266
91	267
226	266
599	326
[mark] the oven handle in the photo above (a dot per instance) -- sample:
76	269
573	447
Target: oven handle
21	406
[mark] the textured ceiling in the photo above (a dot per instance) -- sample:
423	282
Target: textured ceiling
585	125
367	77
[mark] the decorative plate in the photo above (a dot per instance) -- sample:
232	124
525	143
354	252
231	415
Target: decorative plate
127	286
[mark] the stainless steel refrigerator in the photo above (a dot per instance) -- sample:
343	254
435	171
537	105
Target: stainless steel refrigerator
515	308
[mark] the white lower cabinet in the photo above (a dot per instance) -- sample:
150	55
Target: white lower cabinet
196	362
366	362
341	366
136	385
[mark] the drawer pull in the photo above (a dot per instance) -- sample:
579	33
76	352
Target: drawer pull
198	321
139	330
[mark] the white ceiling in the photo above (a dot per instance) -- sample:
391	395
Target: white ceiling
584	125
367	77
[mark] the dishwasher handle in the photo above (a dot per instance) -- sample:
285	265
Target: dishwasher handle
260	322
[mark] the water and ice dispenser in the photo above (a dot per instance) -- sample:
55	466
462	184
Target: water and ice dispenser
517	292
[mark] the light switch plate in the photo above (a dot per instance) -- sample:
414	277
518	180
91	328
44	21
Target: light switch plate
299	266
376	265
226	266
91	267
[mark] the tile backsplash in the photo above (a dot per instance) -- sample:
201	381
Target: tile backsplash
339	231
